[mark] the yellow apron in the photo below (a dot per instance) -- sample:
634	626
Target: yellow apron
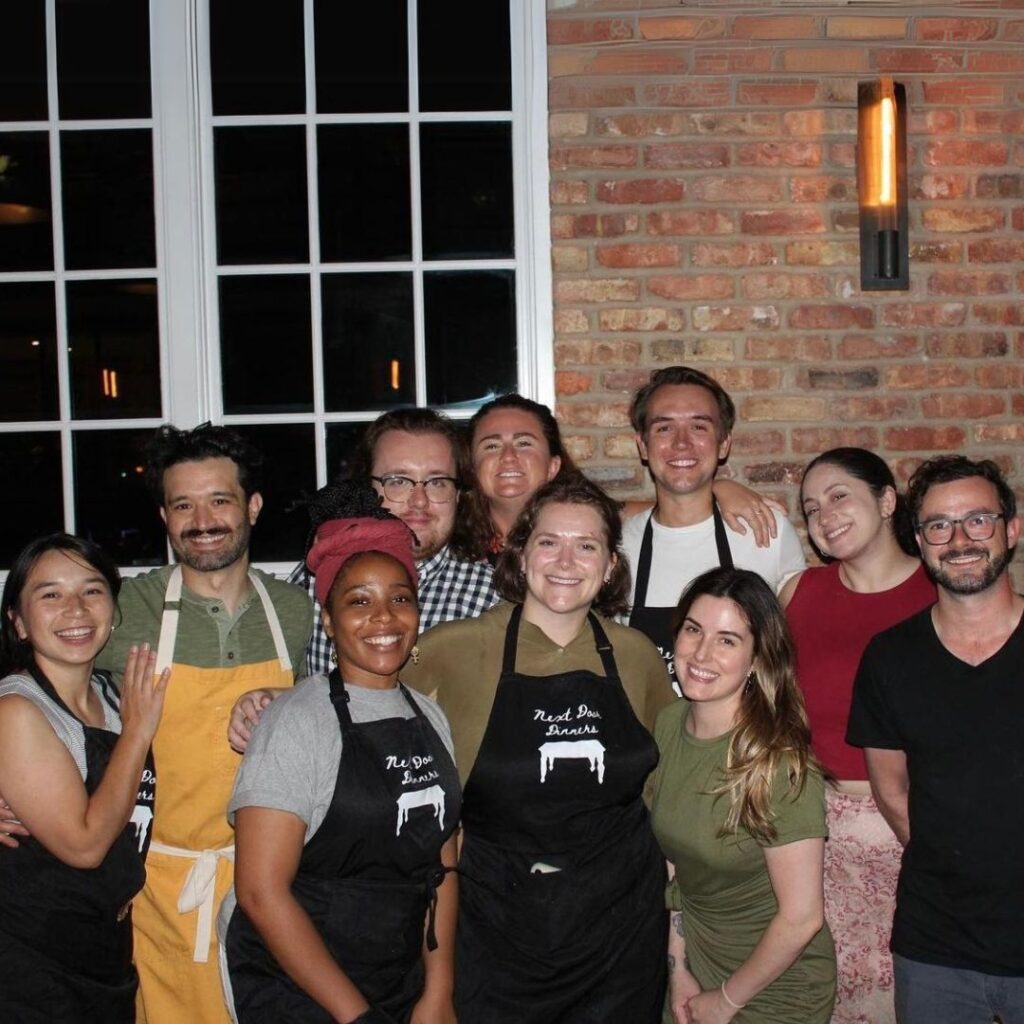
190	862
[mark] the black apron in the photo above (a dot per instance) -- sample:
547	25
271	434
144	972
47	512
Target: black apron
656	623
561	904
368	876
66	932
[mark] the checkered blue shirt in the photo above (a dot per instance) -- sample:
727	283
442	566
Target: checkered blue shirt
448	589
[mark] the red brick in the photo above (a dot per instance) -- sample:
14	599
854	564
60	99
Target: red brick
928	439
777	94
638	255
642	319
913	60
639	125
581	447
999	376
1018	219
933	122
963	218
571	321
999	186
695	93
921	376
569	258
593	156
592	225
620	446
781	222
971	407
773	473
737	379
863	378
568	124
939	186
572	382
775	27
811	122
671	351
992	61
1008	313
587	30
758	442
570	95
638	61
681	27
936	252
793	348
732	62
866	28
779	154
966	344
955	30
640	190
812	440
845	221
777	285
735	318
822	188
737	188
999	433
822	254
826	59
997	250
690	222
870	408
784	408
597	289
968	282
1013	30
875	346
671	155
965	91
920	314
696	286
832	317
564	193
725	122
994	122
594	414
733	254
626	381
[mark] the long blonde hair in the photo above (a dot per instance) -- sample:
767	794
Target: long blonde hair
771	729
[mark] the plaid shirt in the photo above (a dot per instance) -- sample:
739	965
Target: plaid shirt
448	589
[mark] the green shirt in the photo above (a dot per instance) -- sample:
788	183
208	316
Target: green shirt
209	636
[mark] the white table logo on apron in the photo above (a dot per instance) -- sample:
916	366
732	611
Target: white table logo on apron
581	721
592	750
416	770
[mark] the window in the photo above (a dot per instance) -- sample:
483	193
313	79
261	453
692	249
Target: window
286	220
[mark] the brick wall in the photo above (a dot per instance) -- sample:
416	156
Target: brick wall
704	211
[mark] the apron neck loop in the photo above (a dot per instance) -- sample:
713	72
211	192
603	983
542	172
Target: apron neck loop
601	643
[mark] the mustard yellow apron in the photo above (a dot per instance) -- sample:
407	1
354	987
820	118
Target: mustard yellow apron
191	860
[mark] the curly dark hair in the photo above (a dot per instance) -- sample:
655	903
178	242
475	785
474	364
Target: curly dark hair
571	489
168	446
944	469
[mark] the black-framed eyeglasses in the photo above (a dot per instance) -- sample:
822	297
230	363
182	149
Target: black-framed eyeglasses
439	489
976	526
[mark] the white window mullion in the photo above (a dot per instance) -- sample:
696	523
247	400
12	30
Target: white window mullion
415	206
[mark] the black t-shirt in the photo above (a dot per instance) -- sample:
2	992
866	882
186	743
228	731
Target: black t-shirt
960	901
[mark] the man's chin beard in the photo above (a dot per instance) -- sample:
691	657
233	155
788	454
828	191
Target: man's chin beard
993	569
214	561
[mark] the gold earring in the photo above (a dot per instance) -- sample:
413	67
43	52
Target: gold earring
414	654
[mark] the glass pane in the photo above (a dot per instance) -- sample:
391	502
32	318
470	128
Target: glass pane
103	58
266	344
369	360
342	439
108	198
39	509
361	60
471	335
460	71
112	505
23	62
257	64
113	349
28	353
363	172
466	171
289	473
26	234
261	195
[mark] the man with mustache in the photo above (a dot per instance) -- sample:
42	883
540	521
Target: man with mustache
226	628
938	705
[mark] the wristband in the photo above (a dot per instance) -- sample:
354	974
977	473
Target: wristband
725	996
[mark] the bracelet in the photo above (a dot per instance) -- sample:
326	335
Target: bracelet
725	996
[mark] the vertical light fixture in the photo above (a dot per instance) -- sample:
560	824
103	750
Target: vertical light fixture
882	185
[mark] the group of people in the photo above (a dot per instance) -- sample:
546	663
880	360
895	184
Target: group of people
464	810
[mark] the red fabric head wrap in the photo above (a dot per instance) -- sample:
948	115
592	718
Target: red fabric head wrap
338	540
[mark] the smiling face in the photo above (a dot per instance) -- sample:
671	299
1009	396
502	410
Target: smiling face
511	457
683	443
372	618
65	612
844	517
714	654
566	560
208	517
965	566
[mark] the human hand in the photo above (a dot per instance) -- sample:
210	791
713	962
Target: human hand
245	716
682	987
710	1008
142	696
742	507
10	826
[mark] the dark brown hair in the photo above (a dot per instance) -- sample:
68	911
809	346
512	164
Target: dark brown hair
680	375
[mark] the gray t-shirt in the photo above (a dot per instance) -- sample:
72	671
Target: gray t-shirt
292	761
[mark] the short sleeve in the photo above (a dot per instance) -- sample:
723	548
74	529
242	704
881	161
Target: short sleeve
798	814
791	552
871	722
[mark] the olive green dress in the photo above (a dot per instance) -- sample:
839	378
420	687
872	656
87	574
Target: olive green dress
721	883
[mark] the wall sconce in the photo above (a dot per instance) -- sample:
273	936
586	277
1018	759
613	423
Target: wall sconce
882	185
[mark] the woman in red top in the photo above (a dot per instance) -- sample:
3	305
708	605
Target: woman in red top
871	579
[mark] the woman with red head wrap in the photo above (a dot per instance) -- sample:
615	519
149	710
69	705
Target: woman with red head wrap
344	810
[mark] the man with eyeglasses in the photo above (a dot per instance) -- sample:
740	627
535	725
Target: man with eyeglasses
938	706
417	462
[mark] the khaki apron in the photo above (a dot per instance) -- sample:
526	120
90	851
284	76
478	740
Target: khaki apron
190	863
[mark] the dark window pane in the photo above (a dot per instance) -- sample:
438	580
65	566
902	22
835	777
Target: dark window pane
28	353
471	335
26	233
261	195
266	344
361	59
108	198
466	170
113	349
364	192
460	71
342	439
112	505
257	64
103	58
369	360
23	62
39	508
289	473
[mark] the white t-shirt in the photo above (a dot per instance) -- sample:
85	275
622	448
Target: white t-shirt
681	553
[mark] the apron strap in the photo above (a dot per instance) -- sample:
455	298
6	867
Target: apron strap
601	642
340	699
604	647
273	622
508	658
721	539
643	565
